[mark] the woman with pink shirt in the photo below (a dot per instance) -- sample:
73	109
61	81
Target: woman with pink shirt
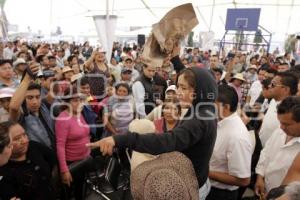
72	133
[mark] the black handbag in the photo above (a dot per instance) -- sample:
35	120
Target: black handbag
81	166
113	170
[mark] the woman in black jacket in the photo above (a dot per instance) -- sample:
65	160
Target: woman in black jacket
194	136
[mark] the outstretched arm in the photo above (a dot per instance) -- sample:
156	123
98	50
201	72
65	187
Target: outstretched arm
19	96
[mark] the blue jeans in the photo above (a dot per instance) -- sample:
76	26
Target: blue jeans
204	190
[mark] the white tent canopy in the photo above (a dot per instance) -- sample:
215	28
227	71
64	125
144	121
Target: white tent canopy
74	16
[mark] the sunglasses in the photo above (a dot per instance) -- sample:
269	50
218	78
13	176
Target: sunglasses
273	85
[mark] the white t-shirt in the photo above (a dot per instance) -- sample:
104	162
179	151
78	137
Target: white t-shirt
270	123
254	91
233	150
276	158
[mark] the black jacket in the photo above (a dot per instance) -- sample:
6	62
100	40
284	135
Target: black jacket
154	90
194	136
29	179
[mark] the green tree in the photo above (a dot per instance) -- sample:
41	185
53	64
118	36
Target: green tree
258	37
190	41
290	43
239	39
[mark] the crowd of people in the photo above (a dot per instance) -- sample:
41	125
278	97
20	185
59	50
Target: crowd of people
234	115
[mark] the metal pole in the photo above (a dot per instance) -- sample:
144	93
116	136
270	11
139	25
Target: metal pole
269	45
51	15
107	9
113	6
212	15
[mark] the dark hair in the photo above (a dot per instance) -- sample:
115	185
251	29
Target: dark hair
252	58
228	95
21	52
113	81
40	58
272	71
125	85
218	70
295	73
284	64
290	80
189	50
265	83
174	101
84	81
51	57
296	67
34	86
264	67
16	42
70	93
4	134
4	61
189	76
290	105
70	58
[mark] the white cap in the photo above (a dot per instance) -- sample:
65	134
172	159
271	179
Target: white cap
6	92
171	88
19	61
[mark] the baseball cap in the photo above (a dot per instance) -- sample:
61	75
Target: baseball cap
19	61
125	69
6	92
46	74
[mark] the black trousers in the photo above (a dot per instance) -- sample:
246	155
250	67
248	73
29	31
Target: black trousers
221	194
76	189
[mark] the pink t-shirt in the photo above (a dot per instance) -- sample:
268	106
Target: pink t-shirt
72	134
159	124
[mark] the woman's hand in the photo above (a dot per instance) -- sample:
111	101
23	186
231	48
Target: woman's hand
34	67
106	145
66	178
176	50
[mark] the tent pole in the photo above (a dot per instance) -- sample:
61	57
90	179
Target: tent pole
212	15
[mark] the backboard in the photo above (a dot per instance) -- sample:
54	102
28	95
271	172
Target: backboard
242	19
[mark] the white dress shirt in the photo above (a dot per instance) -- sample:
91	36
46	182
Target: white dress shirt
135	74
60	62
254	91
276	158
8	53
270	123
138	92
233	150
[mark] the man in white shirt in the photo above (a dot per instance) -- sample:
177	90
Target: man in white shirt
60	57
284	84
142	90
8	51
230	164
281	149
256	87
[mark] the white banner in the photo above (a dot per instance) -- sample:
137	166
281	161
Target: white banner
206	40
106	32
